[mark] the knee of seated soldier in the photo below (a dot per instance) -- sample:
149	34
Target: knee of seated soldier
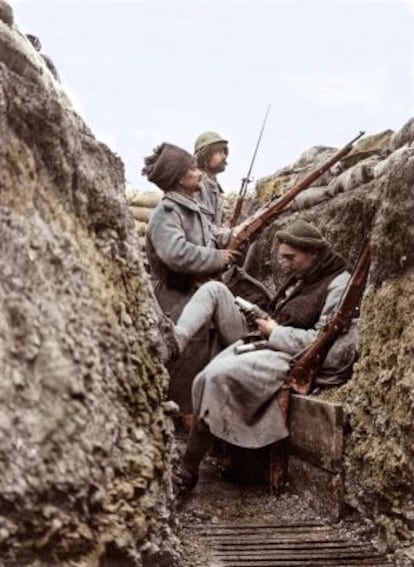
215	287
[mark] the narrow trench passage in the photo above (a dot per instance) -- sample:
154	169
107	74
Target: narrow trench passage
230	525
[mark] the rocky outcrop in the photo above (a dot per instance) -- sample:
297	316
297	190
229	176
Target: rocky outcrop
35	41
372	197
404	136
283	179
380	398
376	147
6	13
84	441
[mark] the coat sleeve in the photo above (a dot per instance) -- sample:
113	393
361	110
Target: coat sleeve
176	252
222	235
293	340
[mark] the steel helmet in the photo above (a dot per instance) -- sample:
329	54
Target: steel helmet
207	138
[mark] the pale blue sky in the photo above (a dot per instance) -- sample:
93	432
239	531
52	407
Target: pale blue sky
145	71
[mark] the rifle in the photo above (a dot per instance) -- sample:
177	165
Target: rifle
254	224
307	364
246	180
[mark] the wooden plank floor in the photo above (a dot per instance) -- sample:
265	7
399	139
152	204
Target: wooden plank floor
293	545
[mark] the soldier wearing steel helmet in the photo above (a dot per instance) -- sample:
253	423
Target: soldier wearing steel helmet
211	151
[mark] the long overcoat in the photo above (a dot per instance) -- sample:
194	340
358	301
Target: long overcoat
235	394
181	247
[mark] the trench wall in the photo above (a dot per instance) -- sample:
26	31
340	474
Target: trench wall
84	441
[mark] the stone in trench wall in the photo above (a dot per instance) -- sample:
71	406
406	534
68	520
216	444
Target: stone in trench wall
379	398
352	170
393	231
84	442
282	180
380	463
374	145
403	136
6	13
380	401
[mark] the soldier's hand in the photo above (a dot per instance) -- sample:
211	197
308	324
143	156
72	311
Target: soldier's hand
266	326
251	318
229	256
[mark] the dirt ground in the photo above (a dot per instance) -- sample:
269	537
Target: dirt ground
215	501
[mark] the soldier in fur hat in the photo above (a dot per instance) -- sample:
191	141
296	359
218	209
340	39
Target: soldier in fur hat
234	396
182	247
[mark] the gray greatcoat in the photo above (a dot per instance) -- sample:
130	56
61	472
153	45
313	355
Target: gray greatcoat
181	246
210	197
235	394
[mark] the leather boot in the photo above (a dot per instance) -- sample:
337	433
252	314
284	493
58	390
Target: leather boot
198	443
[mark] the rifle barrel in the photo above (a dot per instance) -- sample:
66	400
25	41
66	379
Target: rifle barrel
246	180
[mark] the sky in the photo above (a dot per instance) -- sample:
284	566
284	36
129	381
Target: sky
141	72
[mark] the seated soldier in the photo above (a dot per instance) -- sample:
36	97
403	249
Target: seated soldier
235	395
182	247
181	244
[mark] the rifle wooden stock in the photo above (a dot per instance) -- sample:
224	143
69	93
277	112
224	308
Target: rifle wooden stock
307	365
253	225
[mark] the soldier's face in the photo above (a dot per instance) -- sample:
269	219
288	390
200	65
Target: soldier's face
190	180
218	160
293	261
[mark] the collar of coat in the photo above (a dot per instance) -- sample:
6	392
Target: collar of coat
211	182
182	200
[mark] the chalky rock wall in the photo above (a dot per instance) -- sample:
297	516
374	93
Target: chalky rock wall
84	473
370	194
